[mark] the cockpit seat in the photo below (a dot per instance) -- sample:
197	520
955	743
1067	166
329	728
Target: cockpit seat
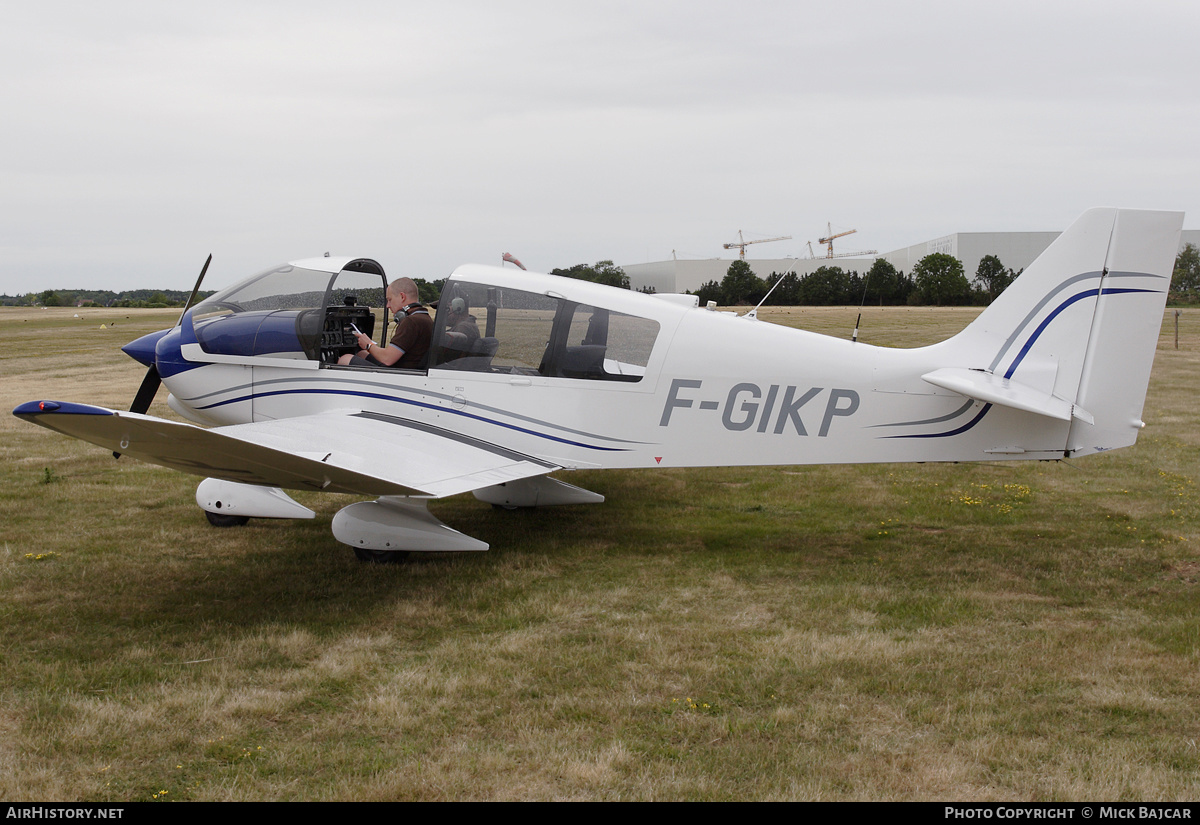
584	361
478	358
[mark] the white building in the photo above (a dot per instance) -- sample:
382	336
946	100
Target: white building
1016	250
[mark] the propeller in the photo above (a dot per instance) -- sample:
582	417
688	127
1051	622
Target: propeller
147	391
150	384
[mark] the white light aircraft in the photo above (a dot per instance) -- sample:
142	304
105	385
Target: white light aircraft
567	375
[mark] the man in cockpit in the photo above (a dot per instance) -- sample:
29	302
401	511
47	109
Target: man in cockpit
414	330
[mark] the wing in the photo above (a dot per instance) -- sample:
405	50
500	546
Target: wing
344	452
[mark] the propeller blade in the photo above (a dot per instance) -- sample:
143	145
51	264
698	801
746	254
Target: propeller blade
195	289
145	393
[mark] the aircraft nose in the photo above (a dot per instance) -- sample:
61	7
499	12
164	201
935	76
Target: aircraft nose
142	350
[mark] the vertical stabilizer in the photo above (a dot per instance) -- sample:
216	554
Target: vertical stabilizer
1082	321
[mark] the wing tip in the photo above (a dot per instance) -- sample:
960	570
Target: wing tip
30	408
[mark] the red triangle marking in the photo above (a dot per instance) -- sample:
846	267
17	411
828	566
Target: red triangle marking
658	459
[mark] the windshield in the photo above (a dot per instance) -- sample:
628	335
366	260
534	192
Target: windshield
281	287
292	311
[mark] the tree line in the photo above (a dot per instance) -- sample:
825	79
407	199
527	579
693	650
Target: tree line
154	298
937	280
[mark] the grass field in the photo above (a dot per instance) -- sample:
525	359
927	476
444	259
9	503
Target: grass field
980	632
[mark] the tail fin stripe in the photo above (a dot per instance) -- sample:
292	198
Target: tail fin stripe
1033	313
1087	293
1118	291
1077	297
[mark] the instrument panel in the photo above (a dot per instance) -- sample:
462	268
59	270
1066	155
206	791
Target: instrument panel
337	333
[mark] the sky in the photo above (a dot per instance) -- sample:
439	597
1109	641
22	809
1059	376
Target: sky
137	137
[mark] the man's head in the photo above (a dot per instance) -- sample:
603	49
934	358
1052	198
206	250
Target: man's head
400	293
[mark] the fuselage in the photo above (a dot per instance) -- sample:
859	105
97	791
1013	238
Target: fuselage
714	389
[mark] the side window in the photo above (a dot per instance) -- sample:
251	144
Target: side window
524	322
605	345
483	328
489	329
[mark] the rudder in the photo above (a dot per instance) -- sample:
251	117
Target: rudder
1125	330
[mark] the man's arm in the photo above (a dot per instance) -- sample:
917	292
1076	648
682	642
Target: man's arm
388	355
385	355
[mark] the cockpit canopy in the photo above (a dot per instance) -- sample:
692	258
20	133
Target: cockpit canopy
303	310
488	320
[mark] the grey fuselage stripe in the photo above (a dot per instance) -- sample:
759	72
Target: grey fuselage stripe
938	420
495	449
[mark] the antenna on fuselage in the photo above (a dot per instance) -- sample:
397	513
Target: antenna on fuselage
861	304
754	312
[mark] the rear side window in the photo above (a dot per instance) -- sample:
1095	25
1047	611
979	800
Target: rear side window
605	345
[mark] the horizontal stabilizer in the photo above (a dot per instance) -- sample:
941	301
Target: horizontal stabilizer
994	389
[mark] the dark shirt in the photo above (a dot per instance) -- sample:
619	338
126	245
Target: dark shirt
413	335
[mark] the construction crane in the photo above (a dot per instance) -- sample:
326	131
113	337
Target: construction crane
828	241
741	245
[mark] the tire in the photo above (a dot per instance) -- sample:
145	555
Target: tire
380	556
222	520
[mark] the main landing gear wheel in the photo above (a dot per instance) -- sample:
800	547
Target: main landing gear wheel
380	556
222	520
